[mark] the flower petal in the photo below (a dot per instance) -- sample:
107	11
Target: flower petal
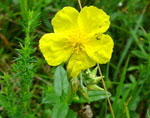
93	20
100	50
79	62
55	48
65	20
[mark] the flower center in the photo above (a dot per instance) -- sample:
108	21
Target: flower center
78	47
77	40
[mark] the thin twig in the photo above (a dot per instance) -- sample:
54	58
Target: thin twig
80	4
44	81
103	82
105	89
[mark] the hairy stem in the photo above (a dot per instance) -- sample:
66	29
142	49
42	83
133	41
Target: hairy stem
80	4
105	89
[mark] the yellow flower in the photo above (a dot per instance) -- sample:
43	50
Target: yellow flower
78	39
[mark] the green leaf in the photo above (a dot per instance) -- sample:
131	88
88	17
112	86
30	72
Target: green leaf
71	114
59	76
97	95
60	110
66	85
51	99
47	113
93	96
140	54
48	1
118	109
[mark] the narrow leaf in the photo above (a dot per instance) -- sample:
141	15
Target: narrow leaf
71	114
93	96
58	80
66	85
60	110
51	99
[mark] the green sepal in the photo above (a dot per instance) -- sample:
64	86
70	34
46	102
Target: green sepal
94	87
84	93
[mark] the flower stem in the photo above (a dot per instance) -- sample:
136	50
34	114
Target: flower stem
105	89
80	4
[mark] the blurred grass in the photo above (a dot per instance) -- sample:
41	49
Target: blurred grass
128	73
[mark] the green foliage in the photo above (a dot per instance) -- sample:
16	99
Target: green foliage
60	96
71	114
93	96
51	98
16	96
61	83
29	88
60	110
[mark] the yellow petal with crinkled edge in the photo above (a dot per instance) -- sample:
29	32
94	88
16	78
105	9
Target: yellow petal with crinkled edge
93	20
65	20
79	62
55	48
100	49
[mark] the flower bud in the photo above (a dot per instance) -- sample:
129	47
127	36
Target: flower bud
75	97
74	85
84	93
94	87
97	79
93	72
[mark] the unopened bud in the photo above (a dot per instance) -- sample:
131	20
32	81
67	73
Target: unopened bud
74	85
94	87
84	93
97	79
93	72
75	97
